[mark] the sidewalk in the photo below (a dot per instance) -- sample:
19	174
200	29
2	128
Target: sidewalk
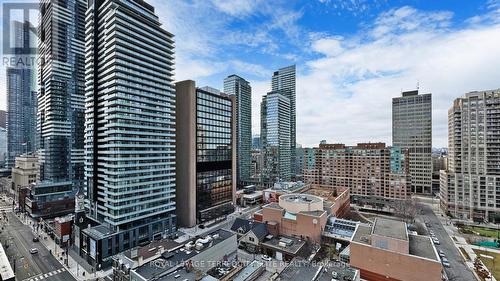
75	268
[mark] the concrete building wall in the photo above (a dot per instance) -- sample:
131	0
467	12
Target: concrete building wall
378	264
391	244
185	92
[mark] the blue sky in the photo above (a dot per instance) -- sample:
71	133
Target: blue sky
352	56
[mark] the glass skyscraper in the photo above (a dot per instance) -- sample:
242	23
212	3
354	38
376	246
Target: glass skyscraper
412	129
275	138
284	80
60	107
21	97
240	88
129	128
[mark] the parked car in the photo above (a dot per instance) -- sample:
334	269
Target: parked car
36	239
266	257
446	264
33	251
441	253
435	241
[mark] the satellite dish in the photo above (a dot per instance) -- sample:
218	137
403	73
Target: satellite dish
315	221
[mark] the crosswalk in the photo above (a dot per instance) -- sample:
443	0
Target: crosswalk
46	275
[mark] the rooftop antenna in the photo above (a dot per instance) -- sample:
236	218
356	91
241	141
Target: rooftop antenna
418	85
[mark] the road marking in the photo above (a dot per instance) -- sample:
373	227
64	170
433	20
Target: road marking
42	276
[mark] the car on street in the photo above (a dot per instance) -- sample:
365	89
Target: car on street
441	253
33	251
435	241
446	264
266	257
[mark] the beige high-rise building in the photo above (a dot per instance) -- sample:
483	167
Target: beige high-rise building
412	130
470	187
24	173
369	170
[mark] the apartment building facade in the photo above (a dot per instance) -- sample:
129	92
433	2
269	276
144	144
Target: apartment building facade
367	169
469	186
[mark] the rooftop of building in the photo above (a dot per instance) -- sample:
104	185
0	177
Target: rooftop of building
340	228
179	275
362	234
302	270
364	145
422	246
300	198
99	231
248	271
328	194
273	205
170	260
243	226
390	228
286	244
343	272
151	249
288	186
64	219
254	195
6	271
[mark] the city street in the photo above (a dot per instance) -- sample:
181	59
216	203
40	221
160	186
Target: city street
457	270
5	203
17	238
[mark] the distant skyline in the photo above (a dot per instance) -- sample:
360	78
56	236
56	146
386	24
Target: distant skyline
352	56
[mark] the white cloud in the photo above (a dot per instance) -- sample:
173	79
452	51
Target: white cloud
237	7
346	96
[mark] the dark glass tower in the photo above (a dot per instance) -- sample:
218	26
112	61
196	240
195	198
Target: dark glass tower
206	158
60	106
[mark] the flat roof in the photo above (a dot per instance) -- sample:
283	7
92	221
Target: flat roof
6	271
99	231
293	248
362	234
273	205
250	269
343	270
390	228
253	195
422	246
300	198
179	275
170	260
300	270
151	249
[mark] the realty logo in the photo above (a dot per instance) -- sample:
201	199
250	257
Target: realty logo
20	21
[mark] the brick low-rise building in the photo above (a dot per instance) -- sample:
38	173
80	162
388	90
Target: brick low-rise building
386	251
